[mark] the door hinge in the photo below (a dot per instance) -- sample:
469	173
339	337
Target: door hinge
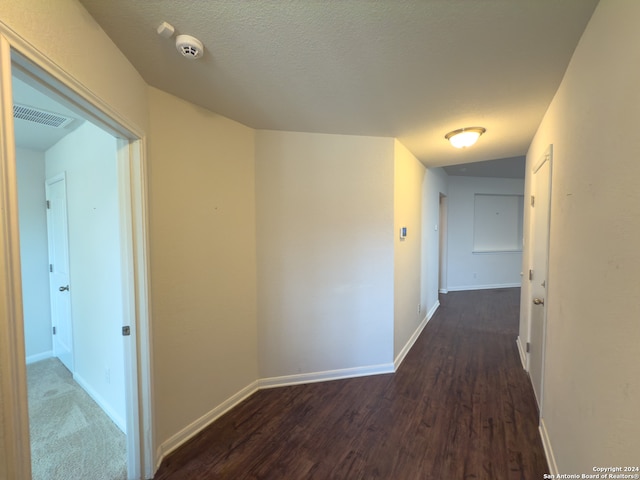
126	331
528	347
48	204
51	268
530	274
54	330
533	200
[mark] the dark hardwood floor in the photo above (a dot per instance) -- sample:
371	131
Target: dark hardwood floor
459	407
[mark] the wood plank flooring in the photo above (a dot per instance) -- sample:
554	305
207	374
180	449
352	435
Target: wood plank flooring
459	407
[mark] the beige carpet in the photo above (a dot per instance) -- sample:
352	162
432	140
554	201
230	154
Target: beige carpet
71	437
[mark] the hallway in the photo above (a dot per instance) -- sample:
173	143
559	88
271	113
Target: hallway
460	406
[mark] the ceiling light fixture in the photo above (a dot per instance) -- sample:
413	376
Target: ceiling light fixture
465	137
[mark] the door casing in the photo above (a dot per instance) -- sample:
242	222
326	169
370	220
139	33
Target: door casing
16	53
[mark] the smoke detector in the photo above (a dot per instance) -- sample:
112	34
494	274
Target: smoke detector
190	47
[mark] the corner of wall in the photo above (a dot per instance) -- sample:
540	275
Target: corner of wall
407	218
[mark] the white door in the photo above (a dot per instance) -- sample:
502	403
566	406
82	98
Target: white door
60	290
539	263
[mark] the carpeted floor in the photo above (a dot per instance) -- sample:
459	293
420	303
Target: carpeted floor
71	437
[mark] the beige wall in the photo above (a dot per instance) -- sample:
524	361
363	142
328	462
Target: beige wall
203	257
592	376
325	252
408	177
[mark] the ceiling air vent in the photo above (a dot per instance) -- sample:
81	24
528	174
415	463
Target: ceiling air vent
42	117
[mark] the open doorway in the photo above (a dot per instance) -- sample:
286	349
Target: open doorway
108	268
70	242
442	241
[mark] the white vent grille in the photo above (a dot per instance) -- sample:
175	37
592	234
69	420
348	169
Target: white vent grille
41	117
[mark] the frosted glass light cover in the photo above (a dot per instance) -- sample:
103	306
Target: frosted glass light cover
464	137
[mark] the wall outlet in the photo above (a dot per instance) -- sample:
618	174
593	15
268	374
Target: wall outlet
419	309
475	275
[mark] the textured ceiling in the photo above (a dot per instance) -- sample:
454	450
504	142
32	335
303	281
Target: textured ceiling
410	69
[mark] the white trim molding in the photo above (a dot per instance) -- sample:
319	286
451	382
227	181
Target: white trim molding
548	451
288	380
405	350
433	310
175	441
484	287
522	351
39	357
195	427
102	403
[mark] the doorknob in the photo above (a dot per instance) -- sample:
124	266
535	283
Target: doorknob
538	301
62	289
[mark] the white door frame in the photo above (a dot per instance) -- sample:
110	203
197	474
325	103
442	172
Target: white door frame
133	209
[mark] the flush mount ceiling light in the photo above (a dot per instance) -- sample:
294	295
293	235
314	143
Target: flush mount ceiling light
465	137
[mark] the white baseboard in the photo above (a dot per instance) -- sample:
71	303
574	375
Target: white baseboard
203	422
407	347
522	351
443	290
104	405
39	356
548	451
325	376
484	287
207	419
431	312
